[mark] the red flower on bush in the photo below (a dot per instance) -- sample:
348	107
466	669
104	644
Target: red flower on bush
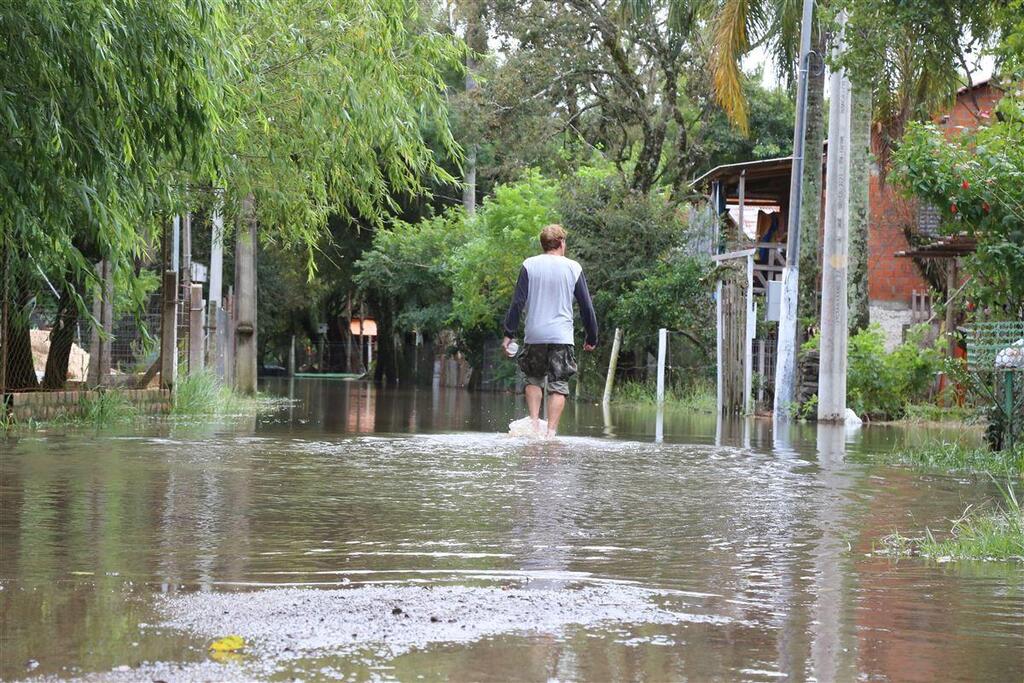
985	207
952	207
966	185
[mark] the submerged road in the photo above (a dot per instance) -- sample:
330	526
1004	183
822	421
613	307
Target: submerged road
365	534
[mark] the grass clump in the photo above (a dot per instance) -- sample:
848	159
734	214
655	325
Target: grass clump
202	393
994	534
698	397
99	409
956	457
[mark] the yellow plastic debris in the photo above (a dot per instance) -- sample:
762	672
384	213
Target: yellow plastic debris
228	644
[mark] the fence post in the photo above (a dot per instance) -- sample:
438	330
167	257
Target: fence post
609	381
103	311
195	330
291	358
662	346
169	331
760	370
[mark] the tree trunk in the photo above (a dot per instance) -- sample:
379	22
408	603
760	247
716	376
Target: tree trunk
860	208
62	335
810	216
21	373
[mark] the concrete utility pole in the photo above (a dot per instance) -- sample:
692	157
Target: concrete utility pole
245	302
785	365
834	303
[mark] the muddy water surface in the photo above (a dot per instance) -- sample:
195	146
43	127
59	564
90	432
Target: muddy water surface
383	534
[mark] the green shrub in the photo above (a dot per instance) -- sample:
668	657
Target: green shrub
880	385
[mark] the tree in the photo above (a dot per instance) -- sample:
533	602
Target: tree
625	79
978	181
328	112
99	98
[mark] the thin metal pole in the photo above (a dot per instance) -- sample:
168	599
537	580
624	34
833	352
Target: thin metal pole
785	361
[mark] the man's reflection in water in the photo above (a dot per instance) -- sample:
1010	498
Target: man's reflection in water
548	526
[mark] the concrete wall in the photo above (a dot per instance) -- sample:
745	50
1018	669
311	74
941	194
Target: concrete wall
47	405
893	319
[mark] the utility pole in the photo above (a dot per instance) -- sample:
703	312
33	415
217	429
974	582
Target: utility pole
785	366
834	303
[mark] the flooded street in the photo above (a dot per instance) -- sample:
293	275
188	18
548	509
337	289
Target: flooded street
376	534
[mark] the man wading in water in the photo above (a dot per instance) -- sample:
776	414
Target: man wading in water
546	287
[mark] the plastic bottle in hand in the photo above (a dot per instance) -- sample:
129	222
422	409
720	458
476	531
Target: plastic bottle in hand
512	349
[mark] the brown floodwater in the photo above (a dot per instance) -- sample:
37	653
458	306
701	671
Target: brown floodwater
360	533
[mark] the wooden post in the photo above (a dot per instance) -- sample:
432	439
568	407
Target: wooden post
609	381
228	347
951	282
169	331
103	312
834	300
195	330
245	300
662	348
291	358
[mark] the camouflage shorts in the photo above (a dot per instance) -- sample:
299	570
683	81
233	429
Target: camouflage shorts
557	361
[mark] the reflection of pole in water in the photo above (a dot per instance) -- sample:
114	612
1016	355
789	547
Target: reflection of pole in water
606	412
826	639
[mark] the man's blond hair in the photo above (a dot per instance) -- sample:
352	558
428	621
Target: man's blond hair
551	237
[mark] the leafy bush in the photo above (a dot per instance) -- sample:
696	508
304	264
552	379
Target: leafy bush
676	295
880	385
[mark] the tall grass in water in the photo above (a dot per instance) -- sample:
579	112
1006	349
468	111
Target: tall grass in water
101	409
996	535
956	457
202	393
993	534
697	397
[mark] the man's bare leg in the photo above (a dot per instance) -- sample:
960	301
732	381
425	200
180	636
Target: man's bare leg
533	397
555	404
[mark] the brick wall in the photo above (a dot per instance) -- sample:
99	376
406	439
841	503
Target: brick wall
892	280
47	405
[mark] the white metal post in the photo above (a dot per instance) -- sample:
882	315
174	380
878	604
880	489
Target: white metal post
834	303
718	344
175	244
662	347
216	259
